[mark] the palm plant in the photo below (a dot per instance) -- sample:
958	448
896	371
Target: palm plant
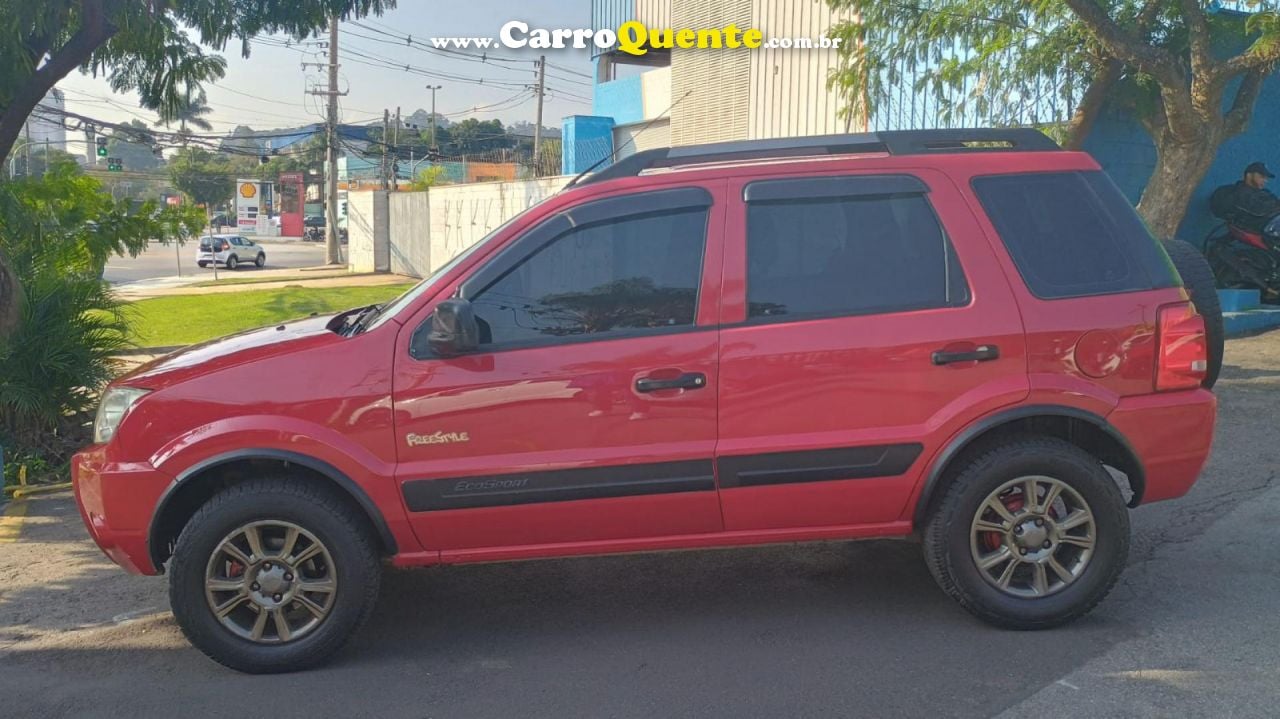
190	110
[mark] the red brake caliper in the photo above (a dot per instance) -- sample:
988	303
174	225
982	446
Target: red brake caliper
1013	504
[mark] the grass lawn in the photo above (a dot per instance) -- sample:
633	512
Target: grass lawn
187	319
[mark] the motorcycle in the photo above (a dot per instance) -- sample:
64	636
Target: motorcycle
315	234
1241	259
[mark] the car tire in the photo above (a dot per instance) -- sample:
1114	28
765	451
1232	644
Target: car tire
1201	286
260	261
347	559
233	262
202	264
1036	595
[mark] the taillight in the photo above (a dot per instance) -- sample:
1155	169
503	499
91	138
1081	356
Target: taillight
1183	358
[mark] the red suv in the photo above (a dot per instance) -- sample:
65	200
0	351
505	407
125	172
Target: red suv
966	335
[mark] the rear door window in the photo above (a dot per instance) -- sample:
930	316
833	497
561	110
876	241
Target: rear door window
843	246
1073	234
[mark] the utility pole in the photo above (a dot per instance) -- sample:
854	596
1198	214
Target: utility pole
395	148
433	89
332	252
537	126
386	122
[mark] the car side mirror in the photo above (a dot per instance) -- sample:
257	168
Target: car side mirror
454	329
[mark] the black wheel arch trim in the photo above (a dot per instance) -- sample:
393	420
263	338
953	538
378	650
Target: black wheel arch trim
990	422
349	486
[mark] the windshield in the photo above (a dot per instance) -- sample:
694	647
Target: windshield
394	307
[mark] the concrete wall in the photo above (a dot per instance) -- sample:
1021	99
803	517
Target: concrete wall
415	233
462	215
367	249
409	233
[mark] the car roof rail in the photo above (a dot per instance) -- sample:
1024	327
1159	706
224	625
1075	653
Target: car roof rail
896	142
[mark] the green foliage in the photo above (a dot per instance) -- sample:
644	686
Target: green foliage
207	178
473	136
57	233
994	59
428	177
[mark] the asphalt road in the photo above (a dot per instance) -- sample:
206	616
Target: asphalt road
839	629
163	260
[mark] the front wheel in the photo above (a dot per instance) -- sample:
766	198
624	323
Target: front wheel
1031	534
273	575
260	261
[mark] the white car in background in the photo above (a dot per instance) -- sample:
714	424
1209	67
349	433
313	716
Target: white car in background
230	251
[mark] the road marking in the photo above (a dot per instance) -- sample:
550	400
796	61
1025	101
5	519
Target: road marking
11	523
1068	684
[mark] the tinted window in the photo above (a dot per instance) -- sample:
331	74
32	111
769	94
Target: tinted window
848	255
625	275
1073	234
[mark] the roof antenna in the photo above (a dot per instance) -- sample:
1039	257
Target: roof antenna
609	158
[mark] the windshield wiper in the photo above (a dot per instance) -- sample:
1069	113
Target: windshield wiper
362	319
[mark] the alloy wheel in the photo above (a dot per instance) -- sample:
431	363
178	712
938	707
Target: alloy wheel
1032	537
271	582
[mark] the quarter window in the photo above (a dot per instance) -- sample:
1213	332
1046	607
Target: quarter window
634	274
1073	234
848	255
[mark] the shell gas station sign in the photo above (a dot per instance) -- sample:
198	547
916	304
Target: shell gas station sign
253	207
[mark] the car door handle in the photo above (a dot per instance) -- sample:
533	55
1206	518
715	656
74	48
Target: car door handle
688	380
981	353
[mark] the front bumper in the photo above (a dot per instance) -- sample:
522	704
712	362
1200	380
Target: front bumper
116	502
1171	435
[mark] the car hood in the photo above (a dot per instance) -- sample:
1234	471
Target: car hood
204	359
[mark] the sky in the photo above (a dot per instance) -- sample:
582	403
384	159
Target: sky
268	89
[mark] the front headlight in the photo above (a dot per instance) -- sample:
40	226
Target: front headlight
115	404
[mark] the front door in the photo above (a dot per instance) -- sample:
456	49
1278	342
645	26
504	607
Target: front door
854	345
589	413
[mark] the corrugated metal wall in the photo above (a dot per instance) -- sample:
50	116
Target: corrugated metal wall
629	139
717	82
653	13
788	91
610	14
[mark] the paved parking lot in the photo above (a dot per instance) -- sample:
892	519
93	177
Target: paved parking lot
841	629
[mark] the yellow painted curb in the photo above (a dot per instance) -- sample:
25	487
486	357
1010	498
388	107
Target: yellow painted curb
34	489
11	522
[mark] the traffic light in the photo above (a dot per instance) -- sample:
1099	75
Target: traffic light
115	164
102	147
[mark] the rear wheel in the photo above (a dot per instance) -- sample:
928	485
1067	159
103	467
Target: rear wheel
1031	534
1197	277
232	262
203	264
273	575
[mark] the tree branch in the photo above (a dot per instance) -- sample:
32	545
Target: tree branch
93	31
1091	103
1198	28
1152	60
1246	97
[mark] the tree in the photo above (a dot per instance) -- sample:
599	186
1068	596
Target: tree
1178	67
134	145
190	110
139	46
473	136
206	178
44	159
428	177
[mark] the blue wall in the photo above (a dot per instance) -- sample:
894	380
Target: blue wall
586	140
621	99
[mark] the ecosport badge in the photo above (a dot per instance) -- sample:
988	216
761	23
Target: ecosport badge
416	440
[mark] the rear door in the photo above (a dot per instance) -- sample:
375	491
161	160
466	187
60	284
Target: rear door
859	335
589	413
